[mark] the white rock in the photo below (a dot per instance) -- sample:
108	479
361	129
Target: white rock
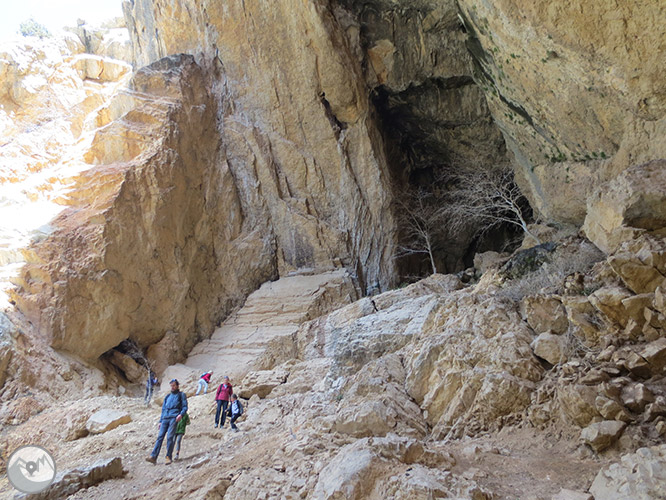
106	420
638	476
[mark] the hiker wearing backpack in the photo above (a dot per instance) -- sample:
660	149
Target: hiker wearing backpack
222	397
204	380
180	432
173	409
235	411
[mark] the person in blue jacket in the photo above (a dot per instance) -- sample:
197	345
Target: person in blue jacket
173	409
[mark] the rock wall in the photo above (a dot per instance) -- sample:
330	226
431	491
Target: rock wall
399	69
152	239
434	116
577	88
48	91
299	133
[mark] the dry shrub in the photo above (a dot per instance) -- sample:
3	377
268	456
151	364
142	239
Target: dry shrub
573	255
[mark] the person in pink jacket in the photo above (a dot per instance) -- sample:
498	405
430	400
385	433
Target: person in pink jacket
222	398
204	380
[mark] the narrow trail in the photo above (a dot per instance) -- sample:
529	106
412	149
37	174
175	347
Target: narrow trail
277	309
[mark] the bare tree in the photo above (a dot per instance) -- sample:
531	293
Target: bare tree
421	220
486	197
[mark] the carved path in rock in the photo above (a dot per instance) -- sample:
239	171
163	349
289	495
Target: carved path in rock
277	309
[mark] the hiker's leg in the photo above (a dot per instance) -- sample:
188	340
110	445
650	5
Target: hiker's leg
164	427
205	387
199	387
217	413
179	438
233	421
171	437
224	412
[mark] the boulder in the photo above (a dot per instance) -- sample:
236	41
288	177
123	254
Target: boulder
526	261
577	403
608	300
349	475
106	420
133	371
261	383
638	476
654	354
656	409
660	300
69	482
627	359
582	318
601	435
636	397
611	409
545	314
641	263
552	348
634	199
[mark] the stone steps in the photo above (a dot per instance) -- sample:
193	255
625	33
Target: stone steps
277	309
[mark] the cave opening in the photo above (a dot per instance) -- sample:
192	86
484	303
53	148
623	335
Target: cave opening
429	143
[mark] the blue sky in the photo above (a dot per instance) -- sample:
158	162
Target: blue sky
54	14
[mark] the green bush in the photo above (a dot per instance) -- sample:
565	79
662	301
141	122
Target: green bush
33	28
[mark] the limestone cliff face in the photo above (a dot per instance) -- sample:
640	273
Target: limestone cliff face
49	96
578	88
153	237
210	178
434	116
296	124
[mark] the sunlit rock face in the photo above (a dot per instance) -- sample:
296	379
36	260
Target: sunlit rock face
49	97
154	239
110	39
295	121
211	175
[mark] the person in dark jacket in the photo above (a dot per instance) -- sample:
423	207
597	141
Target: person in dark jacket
222	398
204	380
150	384
235	411
173	409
